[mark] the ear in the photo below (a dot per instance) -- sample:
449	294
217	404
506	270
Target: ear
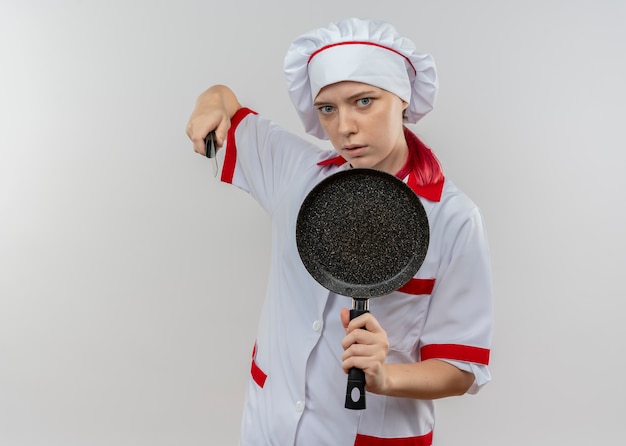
405	105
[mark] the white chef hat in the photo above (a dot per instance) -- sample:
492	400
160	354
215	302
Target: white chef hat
359	50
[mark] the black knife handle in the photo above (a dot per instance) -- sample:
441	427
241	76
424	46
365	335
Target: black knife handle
210	144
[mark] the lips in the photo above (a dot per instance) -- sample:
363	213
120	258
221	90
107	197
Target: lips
353	149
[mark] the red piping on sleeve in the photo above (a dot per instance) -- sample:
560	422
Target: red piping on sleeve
455	352
230	156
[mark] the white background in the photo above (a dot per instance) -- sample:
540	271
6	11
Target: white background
131	280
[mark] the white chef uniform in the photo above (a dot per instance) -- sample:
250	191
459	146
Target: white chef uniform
297	387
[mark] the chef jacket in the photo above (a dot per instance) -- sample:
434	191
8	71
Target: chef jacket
297	387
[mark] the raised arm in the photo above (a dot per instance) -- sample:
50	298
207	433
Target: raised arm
213	111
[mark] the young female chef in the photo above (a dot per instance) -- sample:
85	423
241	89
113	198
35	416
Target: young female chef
354	82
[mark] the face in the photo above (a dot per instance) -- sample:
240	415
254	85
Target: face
364	124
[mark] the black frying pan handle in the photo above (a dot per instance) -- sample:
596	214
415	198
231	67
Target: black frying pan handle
355	392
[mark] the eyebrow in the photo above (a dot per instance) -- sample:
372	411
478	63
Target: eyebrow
360	94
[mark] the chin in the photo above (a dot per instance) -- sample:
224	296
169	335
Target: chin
361	164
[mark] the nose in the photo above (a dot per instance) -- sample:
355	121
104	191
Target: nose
346	124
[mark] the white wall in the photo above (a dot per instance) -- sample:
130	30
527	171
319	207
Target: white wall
131	280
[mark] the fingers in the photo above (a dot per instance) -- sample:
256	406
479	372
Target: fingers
364	342
363	330
200	126
345	318
196	132
365	321
365	338
371	359
221	132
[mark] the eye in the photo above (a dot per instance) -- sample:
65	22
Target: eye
326	109
364	102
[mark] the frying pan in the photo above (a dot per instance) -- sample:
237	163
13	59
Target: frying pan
361	233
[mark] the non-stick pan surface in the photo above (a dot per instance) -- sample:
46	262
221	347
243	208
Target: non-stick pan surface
362	233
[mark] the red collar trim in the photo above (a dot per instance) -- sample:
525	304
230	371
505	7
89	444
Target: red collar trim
431	192
335	161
